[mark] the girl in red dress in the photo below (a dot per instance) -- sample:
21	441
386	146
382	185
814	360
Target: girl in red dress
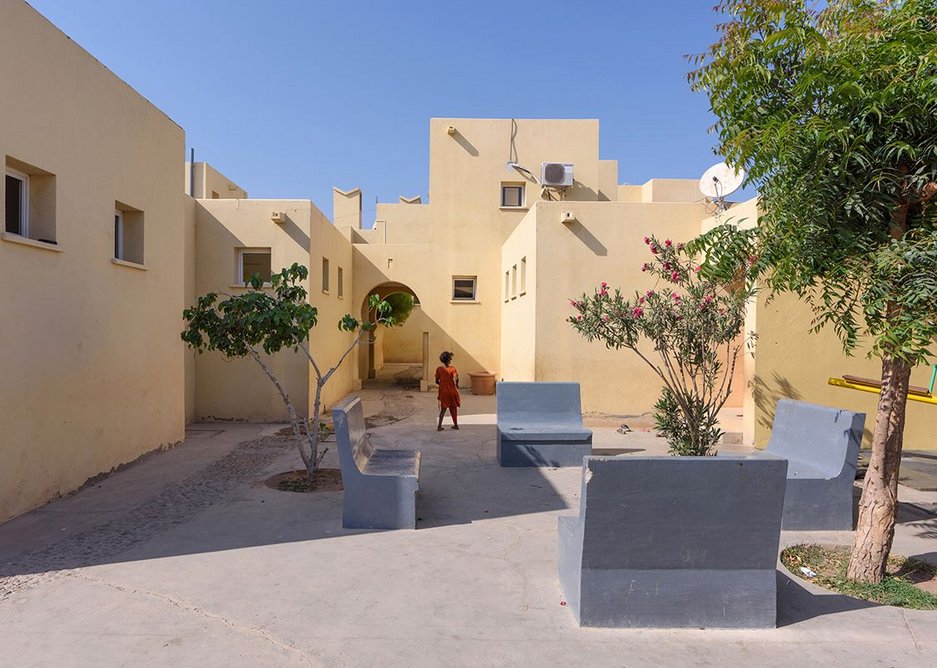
448	380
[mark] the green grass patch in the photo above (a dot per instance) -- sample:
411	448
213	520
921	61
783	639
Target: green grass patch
898	588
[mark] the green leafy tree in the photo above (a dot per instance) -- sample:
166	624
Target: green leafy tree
693	324
833	112
401	306
266	320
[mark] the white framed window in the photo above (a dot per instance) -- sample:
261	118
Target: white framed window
341	283
29	201
16	205
464	288
523	275
325	274
512	195
252	261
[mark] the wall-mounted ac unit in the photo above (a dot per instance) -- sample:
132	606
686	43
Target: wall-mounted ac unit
556	174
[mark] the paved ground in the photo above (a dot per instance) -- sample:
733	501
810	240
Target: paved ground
186	559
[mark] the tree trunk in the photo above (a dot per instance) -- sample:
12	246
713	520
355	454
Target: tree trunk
879	505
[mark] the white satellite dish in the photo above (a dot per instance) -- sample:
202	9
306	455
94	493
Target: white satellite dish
720	181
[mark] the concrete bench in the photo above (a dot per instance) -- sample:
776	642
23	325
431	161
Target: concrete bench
540	424
821	445
380	485
668	542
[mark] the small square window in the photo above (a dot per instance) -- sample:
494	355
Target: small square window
128	233
341	283
512	195
253	261
325	274
463	288
29	201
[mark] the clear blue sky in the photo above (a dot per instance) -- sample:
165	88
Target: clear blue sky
291	97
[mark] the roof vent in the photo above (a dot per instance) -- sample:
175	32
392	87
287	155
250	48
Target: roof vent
556	174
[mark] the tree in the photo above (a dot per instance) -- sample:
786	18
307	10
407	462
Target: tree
833	112
695	335
268	320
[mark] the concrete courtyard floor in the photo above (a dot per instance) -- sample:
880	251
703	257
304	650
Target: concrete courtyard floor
185	558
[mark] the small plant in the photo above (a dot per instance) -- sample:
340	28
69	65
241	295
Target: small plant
693	323
266	320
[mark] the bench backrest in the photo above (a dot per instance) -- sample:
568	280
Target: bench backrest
821	438
354	448
539	403
681	512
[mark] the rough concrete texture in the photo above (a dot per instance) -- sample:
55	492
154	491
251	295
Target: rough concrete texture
379	485
220	570
670	542
540	424
821	445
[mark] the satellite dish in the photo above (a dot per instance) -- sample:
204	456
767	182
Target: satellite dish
720	181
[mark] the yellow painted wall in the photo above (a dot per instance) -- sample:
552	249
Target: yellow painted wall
604	244
93	367
210	182
518	311
405	343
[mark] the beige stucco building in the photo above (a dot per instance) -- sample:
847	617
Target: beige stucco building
110	233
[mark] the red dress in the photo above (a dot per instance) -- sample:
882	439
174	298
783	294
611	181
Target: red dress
448	392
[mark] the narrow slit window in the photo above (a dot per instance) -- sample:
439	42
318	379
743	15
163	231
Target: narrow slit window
507	286
341	283
523	275
325	274
514	282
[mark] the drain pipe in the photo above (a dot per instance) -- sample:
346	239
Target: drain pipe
192	173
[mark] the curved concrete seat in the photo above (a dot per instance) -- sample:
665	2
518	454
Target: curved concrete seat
674	542
540	424
380	485
821	445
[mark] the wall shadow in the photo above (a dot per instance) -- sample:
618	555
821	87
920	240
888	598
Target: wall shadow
591	242
798	604
466	144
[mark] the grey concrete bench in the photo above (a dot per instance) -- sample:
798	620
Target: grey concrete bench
380	485
821	445
669	542
540	424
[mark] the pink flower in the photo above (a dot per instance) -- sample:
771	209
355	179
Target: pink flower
649	293
697	269
579	318
645	266
637	312
679	247
604	318
666	266
654	249
667	243
640	300
647	240
708	299
675	297
675	277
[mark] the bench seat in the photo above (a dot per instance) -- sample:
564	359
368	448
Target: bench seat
540	424
380	486
393	462
547	433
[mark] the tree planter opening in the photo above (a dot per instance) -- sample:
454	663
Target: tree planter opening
482	382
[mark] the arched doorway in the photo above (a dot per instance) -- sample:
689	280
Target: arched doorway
395	355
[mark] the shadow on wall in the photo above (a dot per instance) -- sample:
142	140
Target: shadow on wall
586	237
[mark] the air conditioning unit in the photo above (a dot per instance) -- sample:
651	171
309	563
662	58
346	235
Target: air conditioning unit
556	174
278	216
